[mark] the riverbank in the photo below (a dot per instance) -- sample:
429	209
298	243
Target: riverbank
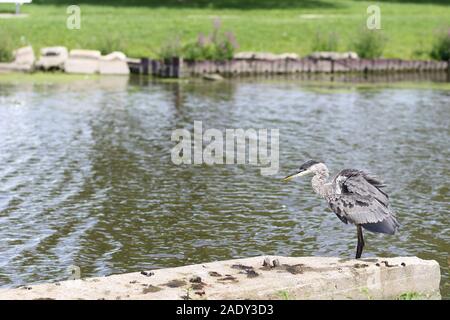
140	28
247	64
178	68
271	277
315	82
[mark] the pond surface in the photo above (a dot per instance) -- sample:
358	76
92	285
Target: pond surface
86	176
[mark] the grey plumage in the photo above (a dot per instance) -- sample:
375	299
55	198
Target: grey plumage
355	197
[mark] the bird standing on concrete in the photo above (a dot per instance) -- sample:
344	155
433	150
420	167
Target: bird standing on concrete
354	196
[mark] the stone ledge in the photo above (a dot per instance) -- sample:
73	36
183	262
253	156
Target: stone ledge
290	278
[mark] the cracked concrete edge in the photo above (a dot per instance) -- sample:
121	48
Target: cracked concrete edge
294	278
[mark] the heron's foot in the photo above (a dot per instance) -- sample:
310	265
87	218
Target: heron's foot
274	264
266	262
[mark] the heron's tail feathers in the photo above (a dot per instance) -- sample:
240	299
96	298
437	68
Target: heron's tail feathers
388	226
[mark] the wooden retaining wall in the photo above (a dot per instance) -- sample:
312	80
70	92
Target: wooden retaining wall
178	68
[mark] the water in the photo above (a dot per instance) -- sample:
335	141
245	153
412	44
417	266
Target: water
86	177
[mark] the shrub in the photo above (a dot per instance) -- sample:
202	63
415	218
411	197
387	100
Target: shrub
216	46
6	49
106	44
226	47
441	47
202	49
325	42
211	48
370	44
171	48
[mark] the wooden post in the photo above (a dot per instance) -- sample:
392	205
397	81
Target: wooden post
155	67
144	65
177	68
448	70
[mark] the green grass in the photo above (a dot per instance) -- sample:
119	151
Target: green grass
411	296
140	28
370	44
284	295
441	47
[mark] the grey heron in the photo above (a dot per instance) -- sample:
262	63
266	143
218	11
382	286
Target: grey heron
354	196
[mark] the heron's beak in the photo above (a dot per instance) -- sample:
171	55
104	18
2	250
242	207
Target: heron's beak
297	174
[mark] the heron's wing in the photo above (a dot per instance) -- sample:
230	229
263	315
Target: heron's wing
357	198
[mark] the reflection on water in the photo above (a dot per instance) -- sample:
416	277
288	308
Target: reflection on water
86	177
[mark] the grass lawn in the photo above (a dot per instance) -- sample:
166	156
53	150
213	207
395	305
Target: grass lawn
141	27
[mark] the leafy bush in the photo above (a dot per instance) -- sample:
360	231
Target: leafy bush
325	42
202	49
441	47
226	47
216	46
6	49
171	49
370	44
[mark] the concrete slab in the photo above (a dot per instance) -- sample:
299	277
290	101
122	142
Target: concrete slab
252	278
114	63
23	61
247	55
24	56
52	58
330	55
83	61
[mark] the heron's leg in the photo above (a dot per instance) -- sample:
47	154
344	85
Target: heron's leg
359	248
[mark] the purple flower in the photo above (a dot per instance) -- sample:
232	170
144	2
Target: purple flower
217	23
232	39
202	40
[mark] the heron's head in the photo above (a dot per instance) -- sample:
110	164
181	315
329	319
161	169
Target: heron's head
309	167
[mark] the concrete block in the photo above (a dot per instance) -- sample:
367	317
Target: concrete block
288	55
265	56
52	58
265	277
23	61
114	63
244	55
330	55
24	56
83	61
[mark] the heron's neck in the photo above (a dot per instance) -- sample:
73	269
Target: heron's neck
320	185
